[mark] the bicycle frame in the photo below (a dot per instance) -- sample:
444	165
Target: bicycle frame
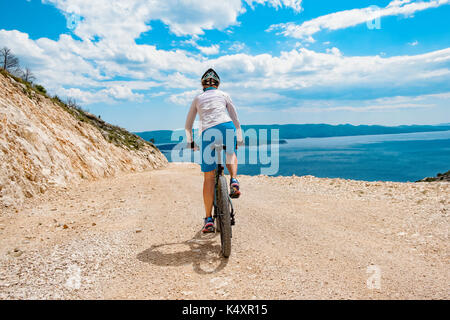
219	172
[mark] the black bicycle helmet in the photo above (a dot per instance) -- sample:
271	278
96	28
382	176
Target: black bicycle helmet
210	78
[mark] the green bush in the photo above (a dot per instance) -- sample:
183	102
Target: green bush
40	89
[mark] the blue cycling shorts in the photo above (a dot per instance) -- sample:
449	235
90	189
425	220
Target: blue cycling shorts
223	133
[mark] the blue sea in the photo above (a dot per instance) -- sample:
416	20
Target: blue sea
389	157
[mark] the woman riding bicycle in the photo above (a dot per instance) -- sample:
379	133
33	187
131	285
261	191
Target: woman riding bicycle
218	124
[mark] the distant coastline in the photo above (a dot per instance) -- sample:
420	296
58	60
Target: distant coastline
300	131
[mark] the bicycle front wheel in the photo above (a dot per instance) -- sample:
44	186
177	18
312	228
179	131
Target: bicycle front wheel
224	216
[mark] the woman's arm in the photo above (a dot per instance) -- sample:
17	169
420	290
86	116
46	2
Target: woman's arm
190	120
233	115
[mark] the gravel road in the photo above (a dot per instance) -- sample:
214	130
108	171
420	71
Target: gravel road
137	236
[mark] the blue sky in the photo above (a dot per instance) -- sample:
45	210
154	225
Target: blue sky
137	63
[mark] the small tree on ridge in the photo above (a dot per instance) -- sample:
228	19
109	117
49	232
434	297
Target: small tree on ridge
8	60
27	75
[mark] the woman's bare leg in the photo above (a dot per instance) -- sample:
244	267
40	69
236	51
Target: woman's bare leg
208	191
232	164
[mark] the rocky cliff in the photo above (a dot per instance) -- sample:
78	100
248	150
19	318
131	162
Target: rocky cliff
439	177
44	143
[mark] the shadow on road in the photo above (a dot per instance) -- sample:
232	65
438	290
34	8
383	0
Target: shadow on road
203	253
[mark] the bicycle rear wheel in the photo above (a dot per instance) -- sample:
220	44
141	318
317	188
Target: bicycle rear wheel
224	216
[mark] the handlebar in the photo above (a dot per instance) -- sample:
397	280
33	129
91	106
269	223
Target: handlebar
193	145
219	146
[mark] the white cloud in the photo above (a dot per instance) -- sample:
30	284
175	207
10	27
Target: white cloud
121	93
237	46
108	95
211	50
178	80
305	70
87	69
294	4
389	104
414	43
334	51
184	98
159	94
370	108
133	85
350	18
206	50
126	20
89	65
299	75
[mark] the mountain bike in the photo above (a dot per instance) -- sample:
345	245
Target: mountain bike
223	207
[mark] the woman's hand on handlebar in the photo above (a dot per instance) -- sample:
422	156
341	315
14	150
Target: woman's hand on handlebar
192	145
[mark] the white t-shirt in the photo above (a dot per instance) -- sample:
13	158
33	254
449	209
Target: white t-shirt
213	107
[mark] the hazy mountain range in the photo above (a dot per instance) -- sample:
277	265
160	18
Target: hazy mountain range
298	131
